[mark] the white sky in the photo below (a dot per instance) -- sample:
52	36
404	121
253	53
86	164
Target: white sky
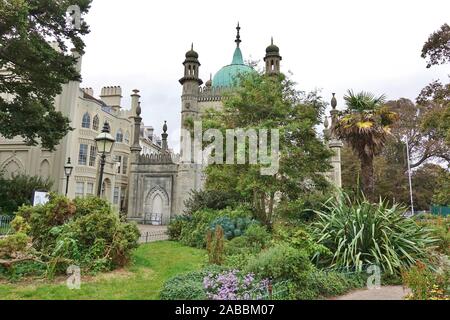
333	45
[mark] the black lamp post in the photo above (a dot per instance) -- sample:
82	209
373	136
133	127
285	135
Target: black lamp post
105	142
68	171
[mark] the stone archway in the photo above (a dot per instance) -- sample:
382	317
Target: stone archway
157	203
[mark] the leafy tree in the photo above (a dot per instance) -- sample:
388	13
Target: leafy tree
18	191
437	48
426	143
271	102
437	51
33	71
365	126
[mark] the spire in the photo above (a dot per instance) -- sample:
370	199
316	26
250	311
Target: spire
238	36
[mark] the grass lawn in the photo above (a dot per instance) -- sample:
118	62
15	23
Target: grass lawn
142	280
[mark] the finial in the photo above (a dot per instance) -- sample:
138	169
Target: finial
271	41
165	127
192	46
238	36
210	76
334	101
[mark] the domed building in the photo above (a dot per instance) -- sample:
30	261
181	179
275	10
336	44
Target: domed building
162	184
228	76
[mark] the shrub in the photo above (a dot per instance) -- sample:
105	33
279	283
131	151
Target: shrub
426	284
280	262
187	286
85	232
193	232
319	284
303	209
364	233
300	238
233	227
211	199
214	246
440	229
175	227
235	285
18	191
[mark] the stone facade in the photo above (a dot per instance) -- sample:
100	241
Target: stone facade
87	115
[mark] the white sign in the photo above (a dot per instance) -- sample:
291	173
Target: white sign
40	197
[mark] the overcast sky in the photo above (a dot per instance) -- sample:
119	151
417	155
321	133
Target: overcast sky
332	45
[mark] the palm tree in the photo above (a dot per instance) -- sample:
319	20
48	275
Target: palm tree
365	126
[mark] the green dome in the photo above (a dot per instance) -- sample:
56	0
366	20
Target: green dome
228	74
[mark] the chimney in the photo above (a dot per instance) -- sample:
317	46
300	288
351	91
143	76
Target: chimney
88	91
112	96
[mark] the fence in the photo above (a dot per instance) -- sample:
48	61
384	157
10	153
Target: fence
153	236
5	224
442	211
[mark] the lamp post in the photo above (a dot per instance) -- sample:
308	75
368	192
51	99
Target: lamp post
68	168
104	142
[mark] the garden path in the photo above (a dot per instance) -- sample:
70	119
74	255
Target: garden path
384	293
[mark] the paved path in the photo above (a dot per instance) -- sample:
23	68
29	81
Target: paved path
384	293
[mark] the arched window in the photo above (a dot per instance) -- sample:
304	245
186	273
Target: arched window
86	123
119	136
127	138
95	123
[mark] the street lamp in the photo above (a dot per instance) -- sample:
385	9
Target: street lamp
68	168
104	142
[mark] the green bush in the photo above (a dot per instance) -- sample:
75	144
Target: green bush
363	233
188	286
211	199
303	209
280	262
427	284
175	227
86	232
18	191
194	229
299	238
233	227
319	284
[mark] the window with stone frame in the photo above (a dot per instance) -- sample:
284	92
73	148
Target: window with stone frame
83	154
119	136
116	195
79	190
90	188
96	123
86	122
127	138
118	160
92	156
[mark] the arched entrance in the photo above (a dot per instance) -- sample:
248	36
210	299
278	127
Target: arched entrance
156	207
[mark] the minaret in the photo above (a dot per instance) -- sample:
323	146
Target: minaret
272	59
191	83
335	145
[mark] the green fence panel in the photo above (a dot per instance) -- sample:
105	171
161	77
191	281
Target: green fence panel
442	211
